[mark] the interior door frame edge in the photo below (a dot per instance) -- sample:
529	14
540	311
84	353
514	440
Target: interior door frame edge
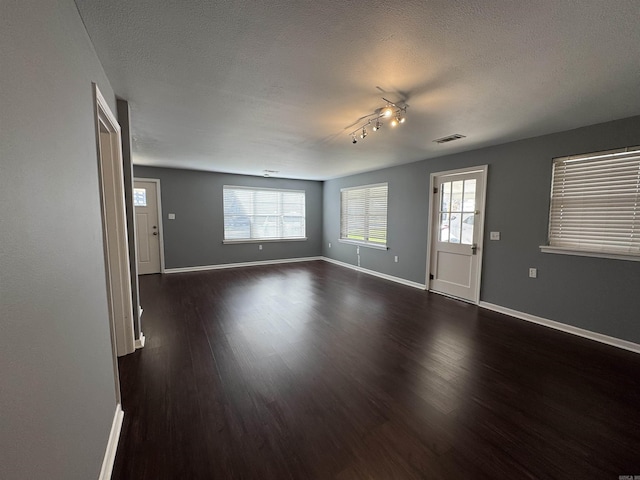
159	204
484	169
114	232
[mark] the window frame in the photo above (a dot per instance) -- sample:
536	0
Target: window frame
280	215
365	243
603	251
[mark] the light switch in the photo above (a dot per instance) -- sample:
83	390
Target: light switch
171	216
495	236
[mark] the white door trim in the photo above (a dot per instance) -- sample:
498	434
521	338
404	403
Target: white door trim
159	203
114	231
483	169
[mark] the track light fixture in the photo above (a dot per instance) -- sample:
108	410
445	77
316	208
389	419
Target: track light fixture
395	111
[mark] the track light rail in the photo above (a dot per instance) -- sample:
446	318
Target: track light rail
396	111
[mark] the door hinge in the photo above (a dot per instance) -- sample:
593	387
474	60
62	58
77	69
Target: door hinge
431	276
435	189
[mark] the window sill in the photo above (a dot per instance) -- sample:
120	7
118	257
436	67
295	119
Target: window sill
582	253
364	244
265	240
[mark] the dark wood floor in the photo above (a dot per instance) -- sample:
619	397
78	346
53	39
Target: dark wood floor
313	371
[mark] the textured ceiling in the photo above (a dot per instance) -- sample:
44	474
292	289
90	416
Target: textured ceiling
244	86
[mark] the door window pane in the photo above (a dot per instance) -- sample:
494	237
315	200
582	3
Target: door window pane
445	197
469	203
444	227
457	211
457	189
454	228
139	197
467	228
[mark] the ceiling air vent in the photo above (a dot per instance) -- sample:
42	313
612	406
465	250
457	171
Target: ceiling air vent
449	138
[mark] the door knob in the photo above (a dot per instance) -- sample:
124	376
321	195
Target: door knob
474	248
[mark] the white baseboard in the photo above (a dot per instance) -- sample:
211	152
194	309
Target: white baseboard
140	341
203	268
581	332
112	445
403	281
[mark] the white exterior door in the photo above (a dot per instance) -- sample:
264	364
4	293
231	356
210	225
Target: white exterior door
145	201
456	233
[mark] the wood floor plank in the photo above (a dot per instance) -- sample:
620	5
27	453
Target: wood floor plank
313	371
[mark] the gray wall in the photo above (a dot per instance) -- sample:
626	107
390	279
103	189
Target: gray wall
600	295
57	393
194	238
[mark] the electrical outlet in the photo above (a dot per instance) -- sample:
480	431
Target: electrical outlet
533	273
172	216
259	247
329	244
495	236
395	259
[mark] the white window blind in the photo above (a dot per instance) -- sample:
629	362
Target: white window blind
263	213
363	216
595	202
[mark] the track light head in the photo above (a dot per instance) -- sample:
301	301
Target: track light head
364	132
386	111
395	121
354	138
377	126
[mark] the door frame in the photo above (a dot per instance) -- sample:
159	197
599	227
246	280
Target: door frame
114	232
483	169
159	205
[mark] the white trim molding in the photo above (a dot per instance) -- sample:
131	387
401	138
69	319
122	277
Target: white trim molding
583	253
363	244
202	268
264	240
140	341
403	281
581	332
112	445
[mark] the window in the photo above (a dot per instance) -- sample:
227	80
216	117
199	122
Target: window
595	204
456	211
363	217
139	197
263	214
